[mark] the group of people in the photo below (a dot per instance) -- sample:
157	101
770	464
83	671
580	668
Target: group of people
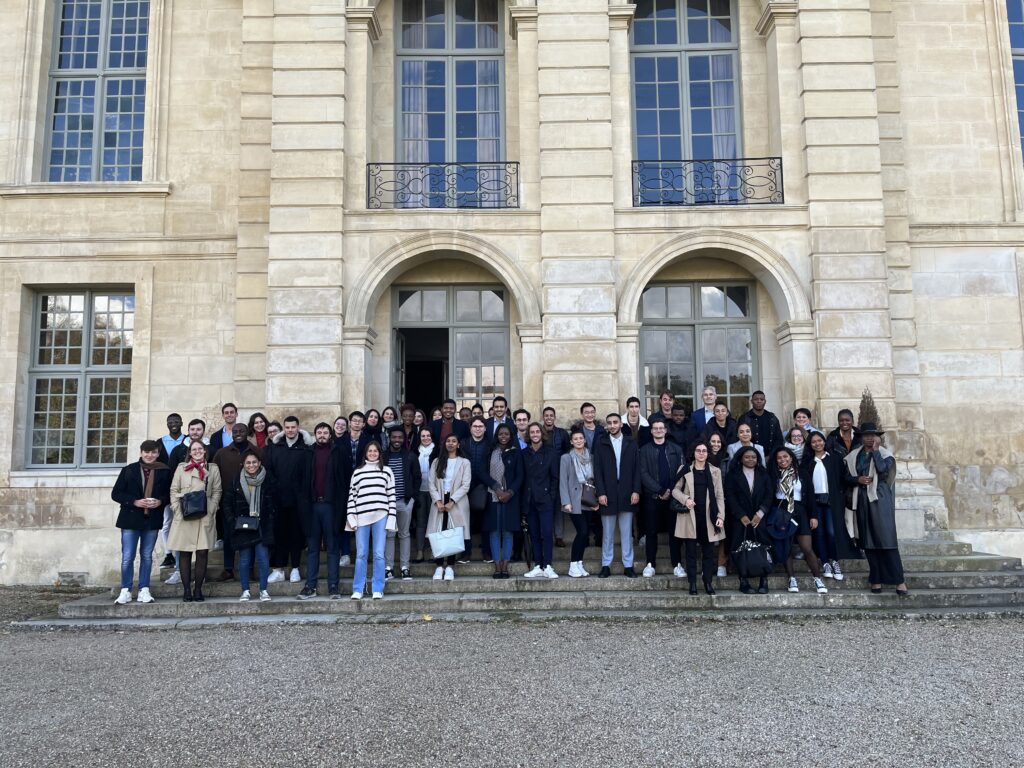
395	480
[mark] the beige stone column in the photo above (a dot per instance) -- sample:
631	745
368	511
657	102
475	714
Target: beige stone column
531	337
627	347
577	205
357	353
524	31
363	31
304	273
619	18
850	297
798	352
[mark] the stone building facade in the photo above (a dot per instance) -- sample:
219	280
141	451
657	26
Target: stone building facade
309	206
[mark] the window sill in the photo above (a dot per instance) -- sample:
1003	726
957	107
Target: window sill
86	189
103	477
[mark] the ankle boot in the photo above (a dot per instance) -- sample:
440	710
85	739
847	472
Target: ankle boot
693	586
198	594
497	570
186	595
709	588
745	587
762	586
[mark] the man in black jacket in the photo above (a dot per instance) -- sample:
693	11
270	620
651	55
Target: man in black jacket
680	429
448	424
321	520
764	425
224	436
558	439
478	450
288	459
405	466
617	479
229	461
540	499
660	460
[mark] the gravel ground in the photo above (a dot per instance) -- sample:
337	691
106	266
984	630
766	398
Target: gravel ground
563	693
20	603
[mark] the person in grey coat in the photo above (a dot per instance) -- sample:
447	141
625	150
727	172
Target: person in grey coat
576	470
870	470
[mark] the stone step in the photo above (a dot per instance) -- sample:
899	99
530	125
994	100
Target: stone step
589	602
778	582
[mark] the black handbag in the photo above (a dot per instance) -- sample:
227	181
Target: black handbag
478	498
247	523
193	505
588	496
752	558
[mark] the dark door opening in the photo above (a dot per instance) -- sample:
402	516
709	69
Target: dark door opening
426	367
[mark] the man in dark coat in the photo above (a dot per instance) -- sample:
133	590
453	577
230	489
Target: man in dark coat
321	521
478	450
660	460
346	455
540	499
764	425
448	424
558	439
288	460
229	461
617	479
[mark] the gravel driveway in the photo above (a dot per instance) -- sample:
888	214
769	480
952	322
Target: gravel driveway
547	695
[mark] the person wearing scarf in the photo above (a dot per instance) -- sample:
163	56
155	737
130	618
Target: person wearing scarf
142	490
793	514
504	482
700	518
199	534
251	496
576	469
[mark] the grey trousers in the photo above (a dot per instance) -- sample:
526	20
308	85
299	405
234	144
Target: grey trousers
624	520
559	522
403	511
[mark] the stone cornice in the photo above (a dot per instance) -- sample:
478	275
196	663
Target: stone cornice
795	330
620	16
776	12
365	18
523	17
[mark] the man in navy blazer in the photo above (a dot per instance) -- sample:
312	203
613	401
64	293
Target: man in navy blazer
702	416
222	438
499	406
448	424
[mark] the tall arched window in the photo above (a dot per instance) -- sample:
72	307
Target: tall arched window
1015	13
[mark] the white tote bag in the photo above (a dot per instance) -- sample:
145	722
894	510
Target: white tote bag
447	542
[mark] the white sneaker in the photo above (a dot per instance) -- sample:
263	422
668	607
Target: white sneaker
174	578
218	545
449	574
345	560
820	586
276	575
826	570
679	572
792	585
357	595
583	571
574	570
144	596
124	598
245	596
294	577
438	573
722	573
264	596
533	573
549	573
648	571
378	595
837	571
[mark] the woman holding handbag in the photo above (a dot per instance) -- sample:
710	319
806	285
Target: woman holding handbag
578	495
793	515
371	512
504	480
702	518
748	498
249	515
195	496
450	478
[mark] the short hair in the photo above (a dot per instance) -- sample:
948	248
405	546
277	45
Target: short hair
324	425
448	400
707	388
678	407
665	392
630	400
549	408
722	403
292	419
515	413
407	407
475	419
757	392
169	415
805	411
149	445
197	421
274	424
357	414
228	405
847	411
396	428
465	409
587	405
498	398
659	419
477	405
613	415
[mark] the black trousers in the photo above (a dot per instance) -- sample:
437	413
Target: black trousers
884	566
289	539
655	512
709	559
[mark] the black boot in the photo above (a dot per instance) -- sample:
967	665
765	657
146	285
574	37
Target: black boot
693	586
762	586
745	587
709	588
186	576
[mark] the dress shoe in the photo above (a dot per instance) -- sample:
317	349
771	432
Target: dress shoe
745	587
762	586
903	592
226	575
629	573
693	587
605	572
708	588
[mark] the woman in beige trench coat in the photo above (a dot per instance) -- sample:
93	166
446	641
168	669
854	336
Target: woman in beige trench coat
188	536
702	520
450	478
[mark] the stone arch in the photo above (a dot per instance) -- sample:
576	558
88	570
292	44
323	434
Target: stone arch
765	263
383	270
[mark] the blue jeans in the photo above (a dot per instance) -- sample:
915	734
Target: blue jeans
501	545
379	531
825	535
143	541
262	564
322	527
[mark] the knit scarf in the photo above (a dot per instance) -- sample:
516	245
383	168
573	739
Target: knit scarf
787	483
497	470
250	485
582	465
200	465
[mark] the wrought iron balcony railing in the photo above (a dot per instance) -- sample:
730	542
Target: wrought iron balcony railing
742	181
442	185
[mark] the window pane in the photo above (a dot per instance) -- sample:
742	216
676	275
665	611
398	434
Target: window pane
112	329
467	348
493	306
129	29
654	345
106	437
79	34
739	345
410	306
653	304
679	302
712	301
492	347
680	346
467	305
435	306
736	301
713	345
54	420
72	130
715	375
61	321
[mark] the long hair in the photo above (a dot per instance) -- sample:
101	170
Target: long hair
736	462
773	465
511	442
442	458
252	422
380	455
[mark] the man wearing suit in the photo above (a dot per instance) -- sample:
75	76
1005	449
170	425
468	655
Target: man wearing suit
617	479
448	424
499	407
223	437
702	416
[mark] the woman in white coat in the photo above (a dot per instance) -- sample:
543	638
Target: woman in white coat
199	534
450	478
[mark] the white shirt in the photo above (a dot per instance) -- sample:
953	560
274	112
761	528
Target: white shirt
617	448
796	492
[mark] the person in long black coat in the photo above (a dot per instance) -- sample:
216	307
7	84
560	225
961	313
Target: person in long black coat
259	496
540	497
142	490
831	540
748	499
793	515
870	470
618	493
502	516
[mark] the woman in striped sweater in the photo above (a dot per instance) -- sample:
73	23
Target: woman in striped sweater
371	512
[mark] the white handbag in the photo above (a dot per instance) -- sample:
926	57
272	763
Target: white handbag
448	541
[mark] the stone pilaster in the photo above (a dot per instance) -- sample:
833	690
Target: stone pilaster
304	273
619	18
524	30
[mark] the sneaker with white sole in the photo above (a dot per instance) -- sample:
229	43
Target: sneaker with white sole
793	585
549	573
345	560
406	574
264	596
174	578
649	571
389	574
583	571
679	572
245	596
837	571
306	593
276	575
574	570
438	573
124	598
295	578
449	574
144	596
722	573
218	545
378	595
534	572
357	595
826	570
820	586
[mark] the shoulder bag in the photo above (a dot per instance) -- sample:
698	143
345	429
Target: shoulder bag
193	504
752	558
